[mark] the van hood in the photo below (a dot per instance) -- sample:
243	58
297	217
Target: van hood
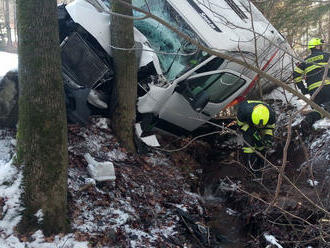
81	11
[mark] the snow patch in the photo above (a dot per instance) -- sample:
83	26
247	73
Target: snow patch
271	239
5	148
39	215
312	183
102	123
231	212
8	61
322	124
10	191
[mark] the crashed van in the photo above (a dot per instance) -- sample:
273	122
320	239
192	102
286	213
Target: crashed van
180	87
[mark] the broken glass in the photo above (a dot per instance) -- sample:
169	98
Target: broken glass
176	55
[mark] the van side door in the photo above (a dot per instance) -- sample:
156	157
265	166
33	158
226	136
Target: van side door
202	96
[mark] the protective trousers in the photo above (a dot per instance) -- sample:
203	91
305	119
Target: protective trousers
256	142
322	99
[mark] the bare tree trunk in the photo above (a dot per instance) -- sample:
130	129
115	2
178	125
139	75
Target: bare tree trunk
15	23
1	24
7	23
123	118
328	28
42	130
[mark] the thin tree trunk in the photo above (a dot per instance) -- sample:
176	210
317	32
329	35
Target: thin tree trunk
42	130
15	23
328	29
7	23
123	118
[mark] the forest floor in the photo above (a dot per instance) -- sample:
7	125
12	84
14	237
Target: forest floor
200	196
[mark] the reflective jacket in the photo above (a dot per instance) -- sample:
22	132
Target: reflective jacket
256	137
311	70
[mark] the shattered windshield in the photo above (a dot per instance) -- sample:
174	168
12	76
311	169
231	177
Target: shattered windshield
175	54
107	3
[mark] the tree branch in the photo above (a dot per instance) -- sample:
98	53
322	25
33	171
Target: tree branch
232	59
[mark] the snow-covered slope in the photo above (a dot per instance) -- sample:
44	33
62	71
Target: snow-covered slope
8	61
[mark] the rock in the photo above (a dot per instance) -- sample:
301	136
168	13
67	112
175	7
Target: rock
8	100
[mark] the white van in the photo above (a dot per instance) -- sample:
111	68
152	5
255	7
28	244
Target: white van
181	87
189	87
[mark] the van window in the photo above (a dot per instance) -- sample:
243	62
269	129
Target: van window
219	86
176	55
213	65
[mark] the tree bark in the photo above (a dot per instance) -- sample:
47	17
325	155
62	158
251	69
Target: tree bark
42	130
15	24
328	29
7	23
125	67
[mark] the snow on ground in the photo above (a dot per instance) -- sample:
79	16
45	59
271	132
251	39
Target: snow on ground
138	209
287	98
271	239
8	61
10	181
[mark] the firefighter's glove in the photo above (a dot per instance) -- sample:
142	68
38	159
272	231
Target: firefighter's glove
268	141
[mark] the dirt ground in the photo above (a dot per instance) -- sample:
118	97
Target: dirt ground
296	212
199	196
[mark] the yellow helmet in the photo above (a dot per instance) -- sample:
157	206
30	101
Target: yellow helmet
315	42
260	115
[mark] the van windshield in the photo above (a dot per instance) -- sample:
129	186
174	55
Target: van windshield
176	55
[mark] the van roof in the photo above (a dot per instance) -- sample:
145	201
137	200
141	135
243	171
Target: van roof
227	25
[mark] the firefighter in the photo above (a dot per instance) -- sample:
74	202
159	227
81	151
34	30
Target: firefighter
310	73
256	120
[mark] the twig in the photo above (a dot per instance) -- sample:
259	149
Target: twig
309	166
197	137
284	162
267	203
192	232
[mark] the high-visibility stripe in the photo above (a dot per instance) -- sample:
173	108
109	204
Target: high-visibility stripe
312	67
298	70
254	101
245	127
257	136
312	59
248	150
268	131
318	84
240	123
298	79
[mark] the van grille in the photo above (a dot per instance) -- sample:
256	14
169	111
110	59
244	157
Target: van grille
237	10
80	63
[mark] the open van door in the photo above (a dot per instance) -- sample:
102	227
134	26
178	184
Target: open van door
202	96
